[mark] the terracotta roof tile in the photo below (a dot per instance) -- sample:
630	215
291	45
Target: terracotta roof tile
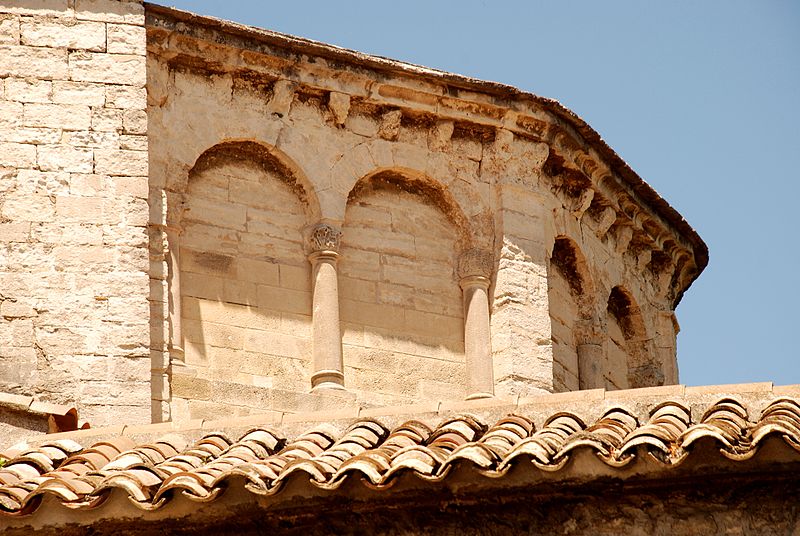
150	474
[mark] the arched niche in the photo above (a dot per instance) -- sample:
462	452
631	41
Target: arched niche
570	291
630	361
401	306
243	280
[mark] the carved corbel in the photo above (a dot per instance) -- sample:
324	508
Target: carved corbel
581	203
282	97
643	258
606	220
339	105
624	234
389	128
503	140
440	134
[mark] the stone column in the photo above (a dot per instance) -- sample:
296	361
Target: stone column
589	336
327	344
176	350
475	269
590	366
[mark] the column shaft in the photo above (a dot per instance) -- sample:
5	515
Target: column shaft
477	337
176	350
590	366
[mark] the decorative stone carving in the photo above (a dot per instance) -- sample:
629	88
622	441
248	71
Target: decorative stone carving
339	105
476	262
606	220
390	125
324	237
282	97
581	203
440	134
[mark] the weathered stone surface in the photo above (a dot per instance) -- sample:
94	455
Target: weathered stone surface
233	171
17	155
120	162
47	63
63	33
125	39
63	158
35	7
85	93
69	239
120	11
125	69
9	29
28	90
66	116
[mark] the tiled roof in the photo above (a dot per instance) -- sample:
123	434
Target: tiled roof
152	473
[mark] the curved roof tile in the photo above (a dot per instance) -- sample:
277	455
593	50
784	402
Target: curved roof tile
150	474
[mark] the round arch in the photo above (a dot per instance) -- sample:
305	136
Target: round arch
269	158
426	187
567	257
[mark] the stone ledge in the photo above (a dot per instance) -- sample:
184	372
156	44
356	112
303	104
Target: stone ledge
575	401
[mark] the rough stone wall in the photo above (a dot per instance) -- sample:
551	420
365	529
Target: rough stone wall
401	306
73	209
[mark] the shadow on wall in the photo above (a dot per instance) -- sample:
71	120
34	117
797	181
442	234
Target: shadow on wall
245	281
401	305
246	297
571	298
630	348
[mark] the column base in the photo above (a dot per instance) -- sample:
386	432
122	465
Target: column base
327	379
177	356
478	396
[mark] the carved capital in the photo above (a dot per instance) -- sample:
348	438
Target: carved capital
476	262
324	237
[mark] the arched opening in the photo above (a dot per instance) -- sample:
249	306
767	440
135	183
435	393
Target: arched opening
401	305
630	363
570	295
245	291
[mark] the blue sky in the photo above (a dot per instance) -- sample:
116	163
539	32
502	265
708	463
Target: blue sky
702	99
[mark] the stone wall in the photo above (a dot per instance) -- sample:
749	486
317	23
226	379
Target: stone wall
412	172
245	281
244	296
401	305
73	206
609	317
564	316
450	197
